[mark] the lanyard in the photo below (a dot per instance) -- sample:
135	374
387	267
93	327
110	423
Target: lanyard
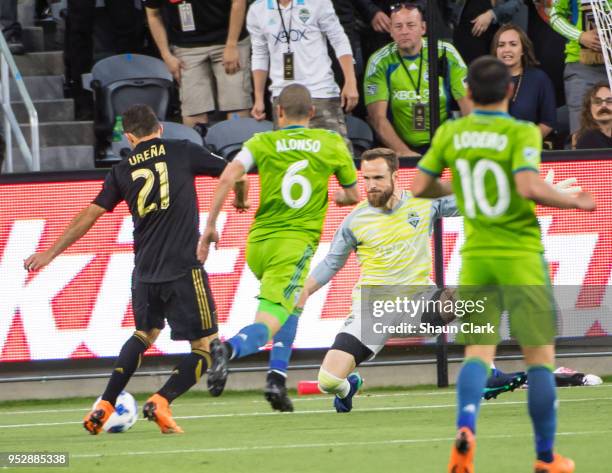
416	86
287	33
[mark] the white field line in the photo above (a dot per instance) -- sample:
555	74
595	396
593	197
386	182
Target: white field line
317	445
314	398
185	404
312	412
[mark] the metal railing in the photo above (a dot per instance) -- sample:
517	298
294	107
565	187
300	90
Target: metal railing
31	154
264	367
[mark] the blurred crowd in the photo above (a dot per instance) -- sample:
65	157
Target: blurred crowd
368	58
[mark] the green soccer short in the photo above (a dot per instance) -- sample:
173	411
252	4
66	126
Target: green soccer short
519	285
281	265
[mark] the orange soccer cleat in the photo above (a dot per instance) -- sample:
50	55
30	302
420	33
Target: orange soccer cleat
560	464
157	409
94	421
462	452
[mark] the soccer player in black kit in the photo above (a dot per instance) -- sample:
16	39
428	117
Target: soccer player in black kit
168	283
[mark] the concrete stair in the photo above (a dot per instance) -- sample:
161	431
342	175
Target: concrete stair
66	144
49	110
68	133
42	63
58	158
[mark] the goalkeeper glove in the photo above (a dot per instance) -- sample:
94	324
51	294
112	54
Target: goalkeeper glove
565	187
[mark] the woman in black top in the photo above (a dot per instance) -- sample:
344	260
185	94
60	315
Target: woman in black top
475	22
534	94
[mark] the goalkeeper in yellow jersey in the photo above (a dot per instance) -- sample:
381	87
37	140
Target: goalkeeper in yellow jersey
390	233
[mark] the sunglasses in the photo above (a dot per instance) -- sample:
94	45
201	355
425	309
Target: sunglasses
407	5
599	101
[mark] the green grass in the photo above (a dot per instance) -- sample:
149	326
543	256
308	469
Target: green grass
389	430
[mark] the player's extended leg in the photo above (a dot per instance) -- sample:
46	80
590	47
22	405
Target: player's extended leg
335	376
248	340
184	376
282	343
470	384
127	363
542	409
281	265
268	321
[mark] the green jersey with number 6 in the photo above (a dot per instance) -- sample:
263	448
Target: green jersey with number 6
295	164
483	151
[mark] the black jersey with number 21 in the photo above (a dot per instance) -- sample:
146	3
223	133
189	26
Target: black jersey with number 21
157	182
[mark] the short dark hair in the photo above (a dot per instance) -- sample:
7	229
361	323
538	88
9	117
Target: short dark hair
140	120
488	79
295	101
382	153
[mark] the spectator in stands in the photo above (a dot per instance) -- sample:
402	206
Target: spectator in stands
475	23
128	29
289	44
548	45
584	64
11	28
206	47
534	96
396	85
345	10
596	119
375	15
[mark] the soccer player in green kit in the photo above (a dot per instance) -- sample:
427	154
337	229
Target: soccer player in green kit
294	165
494	161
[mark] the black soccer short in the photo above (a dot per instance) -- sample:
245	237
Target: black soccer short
186	303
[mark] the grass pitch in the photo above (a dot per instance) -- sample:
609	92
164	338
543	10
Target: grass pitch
389	430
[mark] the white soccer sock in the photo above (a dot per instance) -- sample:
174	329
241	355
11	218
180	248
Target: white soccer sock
330	383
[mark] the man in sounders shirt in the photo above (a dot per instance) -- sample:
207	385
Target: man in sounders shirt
294	165
396	84
494	161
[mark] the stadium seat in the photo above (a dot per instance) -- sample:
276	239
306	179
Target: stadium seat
172	131
360	134
226	137
560	137
121	81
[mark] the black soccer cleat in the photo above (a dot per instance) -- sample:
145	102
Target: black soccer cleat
217	374
504	383
276	394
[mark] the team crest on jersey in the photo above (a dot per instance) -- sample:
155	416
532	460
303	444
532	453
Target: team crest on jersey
531	155
304	14
414	219
371	89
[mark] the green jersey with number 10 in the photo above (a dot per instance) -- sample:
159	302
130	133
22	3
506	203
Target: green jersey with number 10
295	164
483	151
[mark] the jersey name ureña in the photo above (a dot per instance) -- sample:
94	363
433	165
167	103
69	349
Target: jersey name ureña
157	182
